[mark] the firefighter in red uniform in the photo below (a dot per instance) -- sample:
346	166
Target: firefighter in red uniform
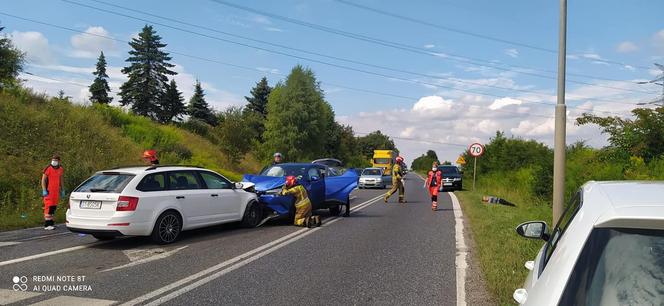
150	157
52	190
433	183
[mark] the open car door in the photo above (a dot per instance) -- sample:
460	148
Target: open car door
338	188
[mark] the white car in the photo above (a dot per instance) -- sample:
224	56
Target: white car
607	249
158	201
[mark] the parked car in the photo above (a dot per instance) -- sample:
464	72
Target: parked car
326	189
373	178
607	249
452	178
158	201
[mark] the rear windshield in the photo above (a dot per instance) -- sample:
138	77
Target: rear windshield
449	170
382	161
106	183
371	172
618	267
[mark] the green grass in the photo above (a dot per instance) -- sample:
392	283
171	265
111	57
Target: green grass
501	252
89	139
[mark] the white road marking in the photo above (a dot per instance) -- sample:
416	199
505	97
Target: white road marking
233	263
461	249
46	236
462	252
72	300
141	256
8	296
31	257
8	243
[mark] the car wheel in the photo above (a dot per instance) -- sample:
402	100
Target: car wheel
167	228
253	215
335	210
103	237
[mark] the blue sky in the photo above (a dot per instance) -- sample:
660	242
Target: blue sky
441	102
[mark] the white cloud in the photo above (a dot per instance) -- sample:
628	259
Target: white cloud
512	53
429	46
273	29
261	19
658	40
503	102
408	132
654	72
627	47
91	44
35	45
433	105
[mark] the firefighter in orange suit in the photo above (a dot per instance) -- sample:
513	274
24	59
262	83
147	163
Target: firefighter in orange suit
303	216
433	183
52	190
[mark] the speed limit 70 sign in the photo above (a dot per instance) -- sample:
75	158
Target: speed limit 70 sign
476	150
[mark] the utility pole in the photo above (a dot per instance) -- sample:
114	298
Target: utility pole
561	121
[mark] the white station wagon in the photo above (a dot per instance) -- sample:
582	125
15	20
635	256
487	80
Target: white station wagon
158	201
607	249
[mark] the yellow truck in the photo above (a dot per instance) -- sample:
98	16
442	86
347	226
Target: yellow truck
384	159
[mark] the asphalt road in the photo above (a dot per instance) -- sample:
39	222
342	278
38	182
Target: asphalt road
385	254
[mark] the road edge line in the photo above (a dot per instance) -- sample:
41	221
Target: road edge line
461	251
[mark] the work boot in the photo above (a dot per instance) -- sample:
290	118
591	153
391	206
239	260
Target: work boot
307	222
434	206
385	199
317	221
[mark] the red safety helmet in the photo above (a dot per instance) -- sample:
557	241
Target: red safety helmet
291	181
399	159
150	155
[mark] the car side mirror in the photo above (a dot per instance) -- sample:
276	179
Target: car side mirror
314	178
238	186
533	230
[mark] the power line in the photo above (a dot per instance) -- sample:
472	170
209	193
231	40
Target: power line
337	65
55	80
303	58
305	51
477	35
417	50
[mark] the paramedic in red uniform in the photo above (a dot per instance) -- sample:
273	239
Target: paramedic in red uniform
52	190
433	183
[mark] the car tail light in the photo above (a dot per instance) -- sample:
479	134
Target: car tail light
126	203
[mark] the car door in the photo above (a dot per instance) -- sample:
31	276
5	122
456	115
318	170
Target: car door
188	190
315	177
224	202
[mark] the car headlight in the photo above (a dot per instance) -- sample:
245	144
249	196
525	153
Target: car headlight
274	191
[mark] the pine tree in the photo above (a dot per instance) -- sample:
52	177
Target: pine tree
148	74
171	105
258	100
99	88
198	108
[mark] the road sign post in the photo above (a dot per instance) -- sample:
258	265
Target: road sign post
476	150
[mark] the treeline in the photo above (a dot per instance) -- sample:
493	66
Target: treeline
635	152
424	162
292	117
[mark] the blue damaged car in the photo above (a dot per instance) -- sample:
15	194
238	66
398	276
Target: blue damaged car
326	188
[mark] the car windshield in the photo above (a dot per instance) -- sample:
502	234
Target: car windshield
106	182
285	170
381	161
371	172
449	170
618	267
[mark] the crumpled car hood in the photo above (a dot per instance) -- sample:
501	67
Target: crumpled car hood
264	183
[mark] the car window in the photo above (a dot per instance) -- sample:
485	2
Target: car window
183	180
152	182
618	267
213	181
371	172
560	228
314	172
449	170
106	182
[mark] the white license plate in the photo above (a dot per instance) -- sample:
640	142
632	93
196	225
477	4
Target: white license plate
90	205
447	184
